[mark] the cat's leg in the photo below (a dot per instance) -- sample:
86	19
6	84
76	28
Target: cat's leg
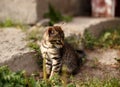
48	67
56	66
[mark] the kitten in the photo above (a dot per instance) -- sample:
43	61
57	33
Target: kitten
58	53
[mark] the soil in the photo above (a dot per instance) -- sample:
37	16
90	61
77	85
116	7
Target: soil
100	64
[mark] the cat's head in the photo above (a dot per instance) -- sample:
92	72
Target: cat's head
55	36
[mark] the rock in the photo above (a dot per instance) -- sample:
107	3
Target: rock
23	11
94	25
29	12
15	53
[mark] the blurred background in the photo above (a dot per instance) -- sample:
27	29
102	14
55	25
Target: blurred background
32	11
94	27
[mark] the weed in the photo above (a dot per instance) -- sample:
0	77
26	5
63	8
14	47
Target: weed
35	34
10	23
109	38
7	23
11	79
34	46
113	82
33	37
19	79
89	40
55	16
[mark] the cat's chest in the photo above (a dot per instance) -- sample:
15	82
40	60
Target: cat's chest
50	51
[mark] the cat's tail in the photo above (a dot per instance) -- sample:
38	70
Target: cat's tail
82	56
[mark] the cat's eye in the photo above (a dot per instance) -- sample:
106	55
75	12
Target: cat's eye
53	41
52	32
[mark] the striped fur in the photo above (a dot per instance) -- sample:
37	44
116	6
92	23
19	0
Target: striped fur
57	52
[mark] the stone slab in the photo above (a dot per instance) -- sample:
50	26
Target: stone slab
31	11
14	51
94	25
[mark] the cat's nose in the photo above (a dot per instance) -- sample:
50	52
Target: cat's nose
62	42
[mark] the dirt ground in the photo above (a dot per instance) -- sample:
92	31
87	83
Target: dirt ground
99	65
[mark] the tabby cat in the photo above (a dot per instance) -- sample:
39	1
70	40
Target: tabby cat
58	53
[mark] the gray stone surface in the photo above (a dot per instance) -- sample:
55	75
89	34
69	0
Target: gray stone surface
14	52
18	10
31	11
94	25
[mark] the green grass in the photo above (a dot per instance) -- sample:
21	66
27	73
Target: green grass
19	79
34	46
10	23
11	79
33	37
55	16
113	82
109	38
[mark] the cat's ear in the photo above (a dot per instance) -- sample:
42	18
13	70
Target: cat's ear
50	31
58	28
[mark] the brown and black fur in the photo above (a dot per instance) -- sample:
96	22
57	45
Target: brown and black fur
59	53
